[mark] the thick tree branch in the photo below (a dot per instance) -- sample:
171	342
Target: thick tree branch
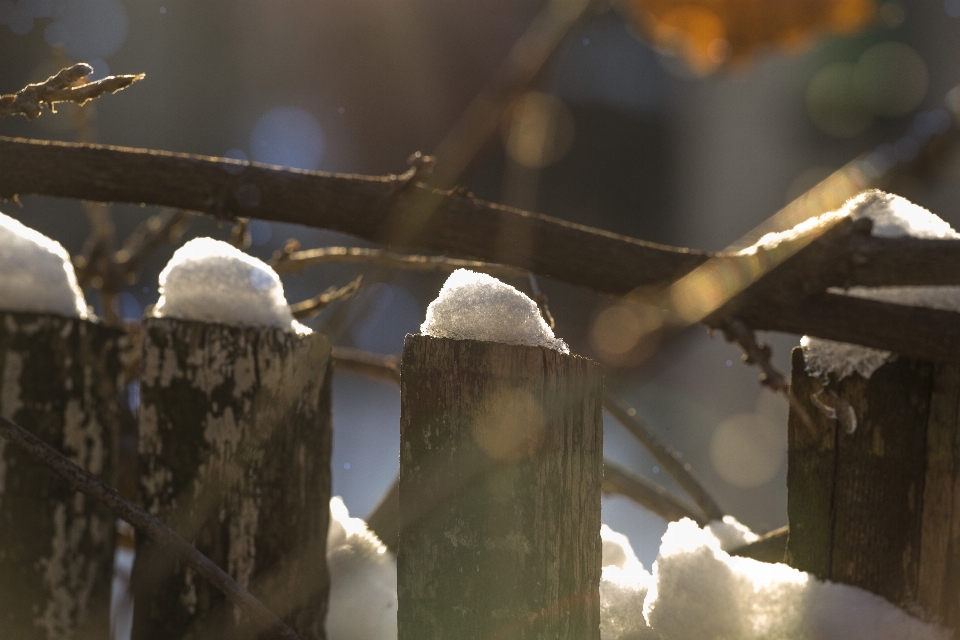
167	538
34	98
792	301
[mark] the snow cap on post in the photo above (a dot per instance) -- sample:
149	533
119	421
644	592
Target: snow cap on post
476	306
213	281
38	276
893	217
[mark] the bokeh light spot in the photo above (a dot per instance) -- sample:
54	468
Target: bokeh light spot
952	7
832	103
260	232
890	79
235	154
626	334
538	130
748	449
289	137
89	28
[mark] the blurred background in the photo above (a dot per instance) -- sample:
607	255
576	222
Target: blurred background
688	139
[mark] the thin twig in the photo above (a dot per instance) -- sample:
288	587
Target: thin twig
295	261
315	305
666	455
151	527
240	235
34	98
771	547
166	227
543	303
649	495
528	56
735	330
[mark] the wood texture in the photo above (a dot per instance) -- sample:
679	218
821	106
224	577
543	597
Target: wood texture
500	474
858	502
60	376
235	445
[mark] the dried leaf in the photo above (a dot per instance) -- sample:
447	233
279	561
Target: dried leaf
709	34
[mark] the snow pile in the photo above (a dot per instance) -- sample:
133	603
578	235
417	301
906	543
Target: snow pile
213	281
624	584
36	274
893	217
475	306
699	591
730	534
363	580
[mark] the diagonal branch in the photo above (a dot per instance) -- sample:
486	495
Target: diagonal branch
651	496
666	455
32	99
315	305
86	483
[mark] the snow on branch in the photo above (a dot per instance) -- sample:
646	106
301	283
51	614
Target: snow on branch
61	87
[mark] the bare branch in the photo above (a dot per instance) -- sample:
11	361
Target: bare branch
32	99
605	262
771	547
666	455
86	483
366	363
295	261
167	226
649	495
755	353
315	305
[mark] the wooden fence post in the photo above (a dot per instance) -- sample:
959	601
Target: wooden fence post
59	377
879	507
500	472
235	440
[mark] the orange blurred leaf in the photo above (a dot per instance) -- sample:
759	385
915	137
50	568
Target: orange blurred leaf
710	34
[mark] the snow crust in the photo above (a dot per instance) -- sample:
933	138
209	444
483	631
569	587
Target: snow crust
36	273
213	281
893	217
730	534
476	306
363	580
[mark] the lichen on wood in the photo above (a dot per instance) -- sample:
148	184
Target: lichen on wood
500	472
60	376
235	454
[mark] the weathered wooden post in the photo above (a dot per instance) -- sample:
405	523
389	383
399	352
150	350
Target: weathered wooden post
59	377
874	494
500	475
235	440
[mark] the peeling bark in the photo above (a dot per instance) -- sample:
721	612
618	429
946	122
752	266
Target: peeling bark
59	377
234	447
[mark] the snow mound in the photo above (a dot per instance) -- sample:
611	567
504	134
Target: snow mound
37	275
699	591
475	306
730	534
213	281
893	217
363	580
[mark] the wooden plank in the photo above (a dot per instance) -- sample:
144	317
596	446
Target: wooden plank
59	378
235	445
939	571
879	480
811	460
500	476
